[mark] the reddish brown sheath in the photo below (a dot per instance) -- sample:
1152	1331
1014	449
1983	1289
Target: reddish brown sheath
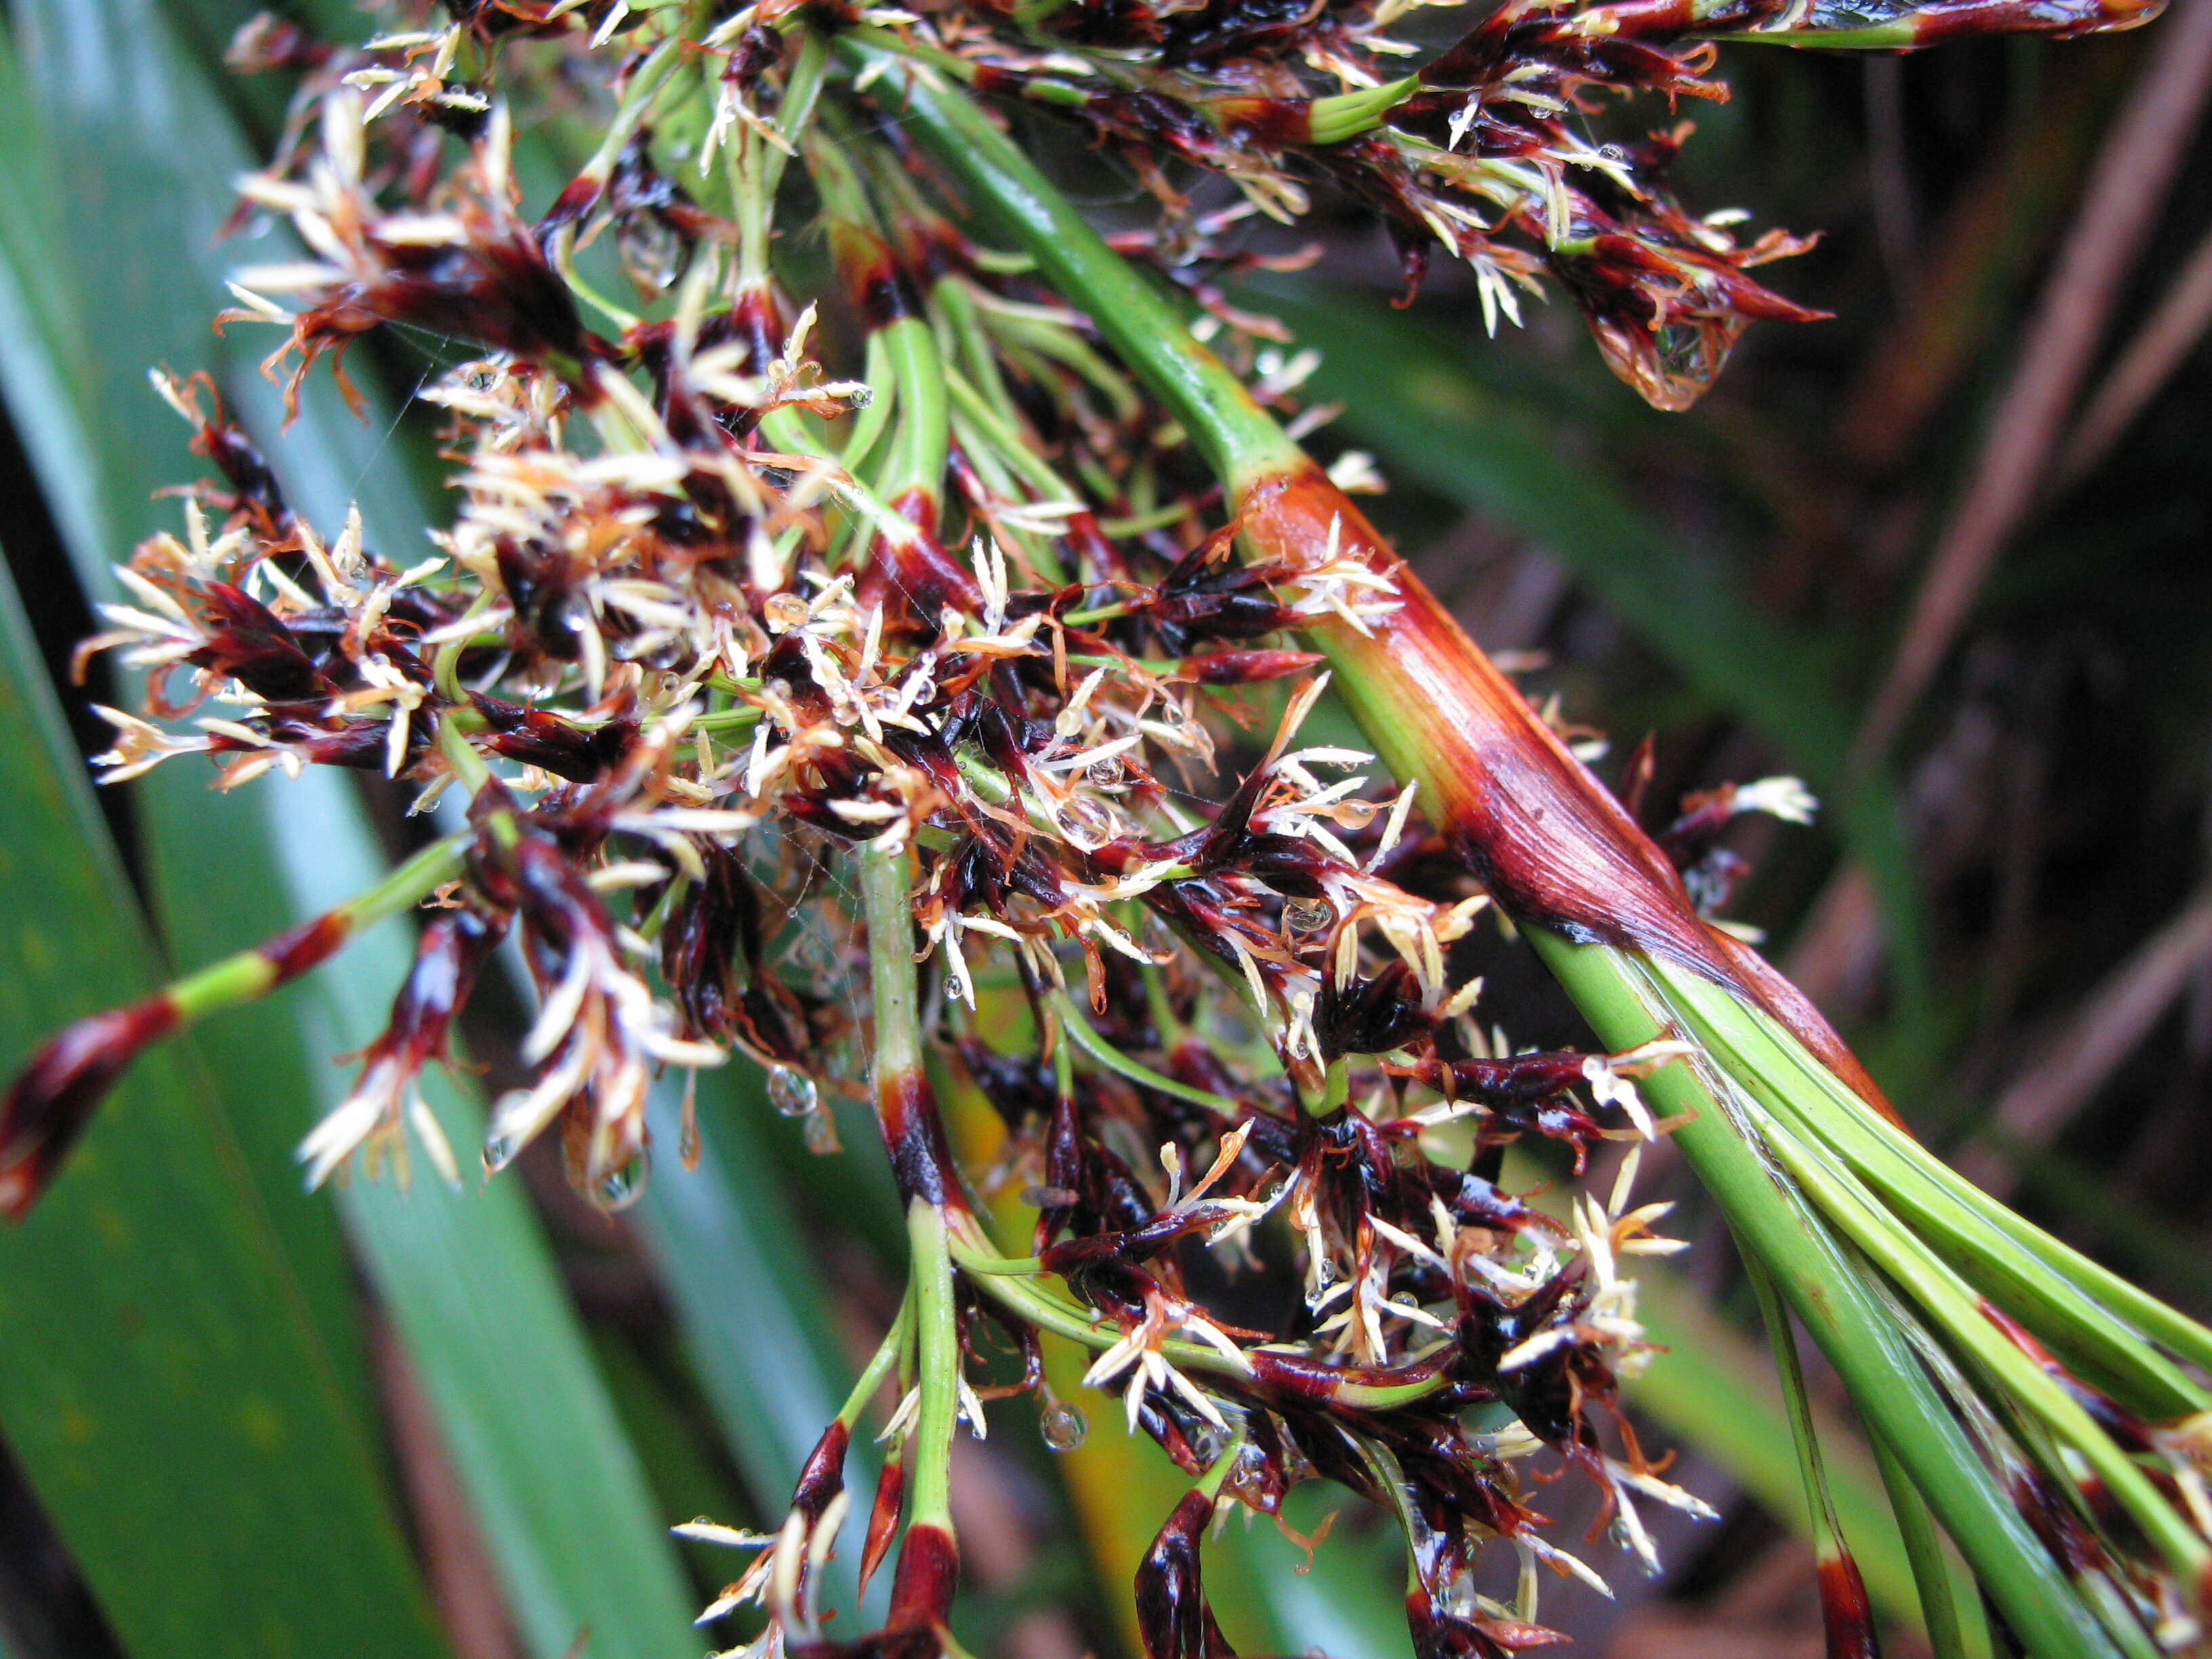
1549	841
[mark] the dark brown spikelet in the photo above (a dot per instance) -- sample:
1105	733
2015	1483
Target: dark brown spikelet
1173	1615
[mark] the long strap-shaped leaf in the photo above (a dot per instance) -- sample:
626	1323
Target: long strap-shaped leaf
151	156
53	380
748	1298
161	1379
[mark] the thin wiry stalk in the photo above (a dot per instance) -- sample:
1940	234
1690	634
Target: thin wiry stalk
1844	1607
49	1100
1950	1614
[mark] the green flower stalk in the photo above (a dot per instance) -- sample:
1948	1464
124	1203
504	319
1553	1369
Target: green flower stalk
1874	1270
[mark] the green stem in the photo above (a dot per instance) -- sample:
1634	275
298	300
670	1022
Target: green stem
446	666
937	1340
2067	1299
1078	1030
920	432
1819	1505
1018	452
1014	326
2014	1374
890	920
1953	1622
251	974
1218	1471
1345	115
868	425
890	1352
921	429
1236	436
1012	1266
760	164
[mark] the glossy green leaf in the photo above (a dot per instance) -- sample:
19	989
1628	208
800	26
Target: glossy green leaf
164	1385
144	154
73	364
748	1295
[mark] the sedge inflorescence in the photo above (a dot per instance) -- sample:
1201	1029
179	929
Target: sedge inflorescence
781	565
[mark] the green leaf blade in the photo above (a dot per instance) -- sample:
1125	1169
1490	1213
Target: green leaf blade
166	1387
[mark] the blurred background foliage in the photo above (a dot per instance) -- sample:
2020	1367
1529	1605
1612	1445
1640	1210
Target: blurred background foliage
1944	556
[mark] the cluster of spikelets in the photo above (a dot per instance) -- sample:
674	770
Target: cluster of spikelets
744	593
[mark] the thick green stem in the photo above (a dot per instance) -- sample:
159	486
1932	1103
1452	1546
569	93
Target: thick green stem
2065	1298
911	473
1824	1285
921	427
906	1113
890	919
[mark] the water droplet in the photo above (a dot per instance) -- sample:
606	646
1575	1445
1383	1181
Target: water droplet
1064	1426
1108	772
1086	822
821	1133
1208	1442
653	252
792	1092
623	1187
783	611
955	988
498	1153
1306	916
1324	1278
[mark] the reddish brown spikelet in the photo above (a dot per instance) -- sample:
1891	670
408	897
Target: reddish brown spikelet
52	1097
1173	1615
1247	667
452	952
1846	1612
928	1573
883	1517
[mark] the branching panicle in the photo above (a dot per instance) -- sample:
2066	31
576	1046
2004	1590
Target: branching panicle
898	633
